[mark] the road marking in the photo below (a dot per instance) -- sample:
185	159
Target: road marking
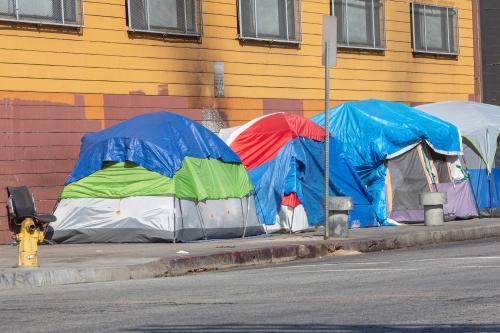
476	266
391	262
452	258
333	264
357	270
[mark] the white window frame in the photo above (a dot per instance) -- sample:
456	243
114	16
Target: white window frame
457	29
198	21
367	47
277	40
18	19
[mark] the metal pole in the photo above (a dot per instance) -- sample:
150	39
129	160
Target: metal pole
346	23
448	29
286	20
413	16
17	9
185	17
373	25
147	14
62	11
425	27
255	18
327	136
128	16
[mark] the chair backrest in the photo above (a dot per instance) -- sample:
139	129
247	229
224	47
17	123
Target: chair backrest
21	202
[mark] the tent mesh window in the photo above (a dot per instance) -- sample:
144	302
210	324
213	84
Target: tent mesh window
176	17
361	23
435	29
271	20
441	165
408	179
51	12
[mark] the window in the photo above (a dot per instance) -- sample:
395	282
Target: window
360	23
272	20
54	12
435	29
178	17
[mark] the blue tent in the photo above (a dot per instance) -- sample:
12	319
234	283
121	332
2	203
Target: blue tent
157	141
157	177
372	131
284	157
299	168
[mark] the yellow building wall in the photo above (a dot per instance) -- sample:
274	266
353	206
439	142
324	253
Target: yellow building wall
57	84
106	59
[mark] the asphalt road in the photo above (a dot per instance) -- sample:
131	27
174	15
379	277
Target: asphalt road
450	288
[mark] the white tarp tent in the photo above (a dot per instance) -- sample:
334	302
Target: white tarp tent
479	123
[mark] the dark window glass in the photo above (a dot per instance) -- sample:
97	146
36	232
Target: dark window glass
166	16
270	19
360	23
435	29
68	12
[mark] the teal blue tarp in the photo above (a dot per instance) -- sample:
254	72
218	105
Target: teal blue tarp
371	131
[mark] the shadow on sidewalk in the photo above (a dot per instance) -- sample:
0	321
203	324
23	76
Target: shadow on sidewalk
315	328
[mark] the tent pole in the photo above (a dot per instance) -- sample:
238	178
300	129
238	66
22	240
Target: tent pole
430	162
424	167
175	219
470	183
182	215
448	168
248	213
202	224
244	219
490	192
291	223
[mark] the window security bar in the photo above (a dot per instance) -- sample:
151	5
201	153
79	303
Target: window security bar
43	12
166	17
421	23
272	21
368	24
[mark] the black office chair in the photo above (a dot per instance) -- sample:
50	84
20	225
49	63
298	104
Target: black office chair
21	205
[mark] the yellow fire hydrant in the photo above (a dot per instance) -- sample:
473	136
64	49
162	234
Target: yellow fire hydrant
28	237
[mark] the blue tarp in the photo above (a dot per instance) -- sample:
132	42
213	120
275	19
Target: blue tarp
157	141
371	131
486	187
299	168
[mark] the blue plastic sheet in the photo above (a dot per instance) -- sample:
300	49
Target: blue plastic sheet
299	168
157	141
480	183
371	131
486	188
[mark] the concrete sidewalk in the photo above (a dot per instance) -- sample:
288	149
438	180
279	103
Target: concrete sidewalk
67	264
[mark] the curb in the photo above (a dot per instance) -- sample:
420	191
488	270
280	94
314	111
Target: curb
182	265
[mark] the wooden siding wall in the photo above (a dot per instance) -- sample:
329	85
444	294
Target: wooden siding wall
56	84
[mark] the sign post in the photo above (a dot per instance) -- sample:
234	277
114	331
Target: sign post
329	59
